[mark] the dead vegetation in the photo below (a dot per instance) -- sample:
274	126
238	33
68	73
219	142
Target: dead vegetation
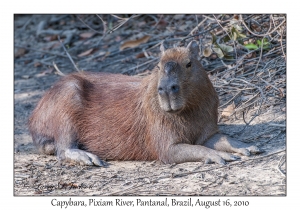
245	58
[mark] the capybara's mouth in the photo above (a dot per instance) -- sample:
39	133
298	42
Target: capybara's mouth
173	111
171	105
170	108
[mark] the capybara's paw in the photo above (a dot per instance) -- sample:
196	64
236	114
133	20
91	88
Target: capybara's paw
83	157
249	150
218	160
243	151
221	158
228	157
254	150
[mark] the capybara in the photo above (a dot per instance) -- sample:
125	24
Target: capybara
170	115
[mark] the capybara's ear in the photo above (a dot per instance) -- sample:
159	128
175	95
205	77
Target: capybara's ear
163	46
193	48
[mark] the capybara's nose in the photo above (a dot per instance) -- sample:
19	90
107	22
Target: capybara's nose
161	90
168	89
174	88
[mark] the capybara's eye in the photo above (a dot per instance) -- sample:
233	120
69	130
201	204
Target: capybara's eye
188	65
158	67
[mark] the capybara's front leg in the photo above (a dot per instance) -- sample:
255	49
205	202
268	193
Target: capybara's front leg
83	157
179	153
224	143
67	149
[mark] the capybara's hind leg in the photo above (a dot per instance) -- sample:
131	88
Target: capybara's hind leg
47	147
44	145
224	143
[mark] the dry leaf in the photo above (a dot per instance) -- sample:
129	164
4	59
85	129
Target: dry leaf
268	87
140	55
256	27
218	51
142	23
103	58
134	43
236	17
85	53
20	52
162	23
50	38
51	45
101	53
251	55
282	94
37	192
27	61
118	38
229	110
37	64
47	71
86	35
213	56
207	51
183	27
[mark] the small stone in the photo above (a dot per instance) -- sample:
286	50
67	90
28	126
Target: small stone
32	181
25	76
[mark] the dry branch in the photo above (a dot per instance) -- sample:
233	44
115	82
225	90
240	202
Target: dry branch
68	54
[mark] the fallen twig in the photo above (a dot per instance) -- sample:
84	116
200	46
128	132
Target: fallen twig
89	26
260	56
277	125
138	66
57	69
197	27
104	29
68	54
234	97
281	32
279	165
124	20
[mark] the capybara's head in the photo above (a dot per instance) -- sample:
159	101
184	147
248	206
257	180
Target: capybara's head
178	72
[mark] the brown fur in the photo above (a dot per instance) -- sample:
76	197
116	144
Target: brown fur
119	117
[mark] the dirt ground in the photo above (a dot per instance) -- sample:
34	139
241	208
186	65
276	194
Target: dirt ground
94	43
